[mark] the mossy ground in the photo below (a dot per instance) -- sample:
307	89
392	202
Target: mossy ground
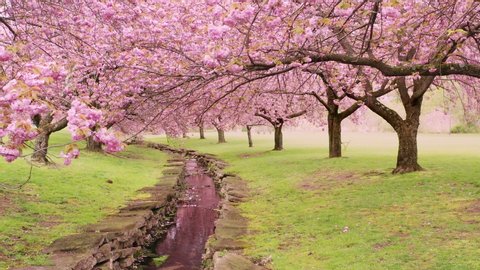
60	199
311	212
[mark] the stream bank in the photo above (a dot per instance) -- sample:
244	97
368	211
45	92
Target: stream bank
118	240
223	250
183	246
121	240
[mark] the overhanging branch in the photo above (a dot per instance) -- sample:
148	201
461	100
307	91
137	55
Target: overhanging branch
387	70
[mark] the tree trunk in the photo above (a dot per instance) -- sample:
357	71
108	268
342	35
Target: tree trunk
278	138
334	135
249	134
184	135
407	158
41	148
221	135
46	128
202	132
406	129
93	146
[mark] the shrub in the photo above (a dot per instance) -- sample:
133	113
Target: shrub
465	128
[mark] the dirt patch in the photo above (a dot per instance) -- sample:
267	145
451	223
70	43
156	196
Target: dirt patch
374	173
3	257
326	180
289	243
401	234
381	245
474	207
245	155
50	223
472	222
130	155
5	203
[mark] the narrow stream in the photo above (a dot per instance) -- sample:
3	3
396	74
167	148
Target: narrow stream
194	223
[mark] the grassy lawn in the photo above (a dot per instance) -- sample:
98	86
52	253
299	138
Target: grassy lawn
59	199
310	212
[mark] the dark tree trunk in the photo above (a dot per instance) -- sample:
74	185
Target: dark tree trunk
335	117
278	138
249	134
93	146
202	132
406	129
407	158
221	135
184	135
277	124
46	128
334	135
41	148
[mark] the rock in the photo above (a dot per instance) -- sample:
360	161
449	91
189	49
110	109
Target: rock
234	199
84	242
237	194
229	212
172	171
232	261
86	264
160	193
117	224
127	252
143	205
219	244
104	266
146	214
174	164
104	253
175	160
167	181
233	229
127	262
69	260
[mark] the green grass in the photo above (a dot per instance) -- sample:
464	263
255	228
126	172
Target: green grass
158	261
60	199
302	202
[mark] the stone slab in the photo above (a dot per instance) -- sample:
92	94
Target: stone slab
232	261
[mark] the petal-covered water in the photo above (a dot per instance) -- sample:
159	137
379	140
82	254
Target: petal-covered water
185	242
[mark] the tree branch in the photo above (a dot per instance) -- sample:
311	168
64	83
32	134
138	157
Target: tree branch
346	113
441	69
265	117
297	114
321	101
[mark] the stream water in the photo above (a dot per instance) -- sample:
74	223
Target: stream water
185	242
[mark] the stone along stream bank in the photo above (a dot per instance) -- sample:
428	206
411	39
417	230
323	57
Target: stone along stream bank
194	223
207	231
223	249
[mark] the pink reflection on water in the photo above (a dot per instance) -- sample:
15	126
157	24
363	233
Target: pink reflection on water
196	214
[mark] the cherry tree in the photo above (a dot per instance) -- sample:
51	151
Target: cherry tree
329	87
411	39
57	57
223	116
173	52
465	92
276	104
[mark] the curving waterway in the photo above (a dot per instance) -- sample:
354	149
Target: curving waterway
196	213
